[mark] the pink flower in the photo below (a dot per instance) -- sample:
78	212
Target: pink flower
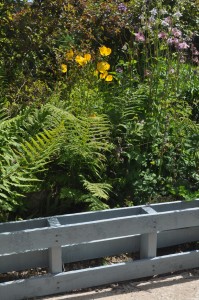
162	35
183	45
139	37
176	32
173	41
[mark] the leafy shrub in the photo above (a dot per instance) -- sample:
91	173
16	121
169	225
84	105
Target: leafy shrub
99	104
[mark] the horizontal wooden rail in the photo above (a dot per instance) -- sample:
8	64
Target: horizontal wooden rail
96	216
74	280
31	239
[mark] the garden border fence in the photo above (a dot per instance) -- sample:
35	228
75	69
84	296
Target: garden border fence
54	241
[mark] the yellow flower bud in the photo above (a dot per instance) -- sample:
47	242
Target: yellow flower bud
69	54
64	68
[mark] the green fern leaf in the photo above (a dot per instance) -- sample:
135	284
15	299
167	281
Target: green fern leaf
99	190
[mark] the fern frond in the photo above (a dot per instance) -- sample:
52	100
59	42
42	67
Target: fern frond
134	105
19	166
35	137
94	203
42	146
99	190
8	123
86	139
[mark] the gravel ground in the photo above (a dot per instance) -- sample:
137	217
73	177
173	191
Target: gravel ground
179	286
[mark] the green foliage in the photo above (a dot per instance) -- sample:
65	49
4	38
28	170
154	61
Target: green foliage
20	162
68	138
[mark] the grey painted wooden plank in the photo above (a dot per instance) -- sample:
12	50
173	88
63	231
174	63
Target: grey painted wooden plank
23	261
95	249
127	211
178	236
55	259
98	215
22	225
55	253
71	218
73	280
177	205
97	230
101	215
148	245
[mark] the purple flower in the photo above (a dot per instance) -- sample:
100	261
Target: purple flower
119	70
139	37
166	22
122	7
176	32
154	12
177	15
183	45
152	19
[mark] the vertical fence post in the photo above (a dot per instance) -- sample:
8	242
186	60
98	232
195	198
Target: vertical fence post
55	253
148	241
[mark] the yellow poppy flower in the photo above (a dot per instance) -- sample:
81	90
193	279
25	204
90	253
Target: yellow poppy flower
87	56
80	60
69	54
64	68
109	78
104	51
103	66
103	75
